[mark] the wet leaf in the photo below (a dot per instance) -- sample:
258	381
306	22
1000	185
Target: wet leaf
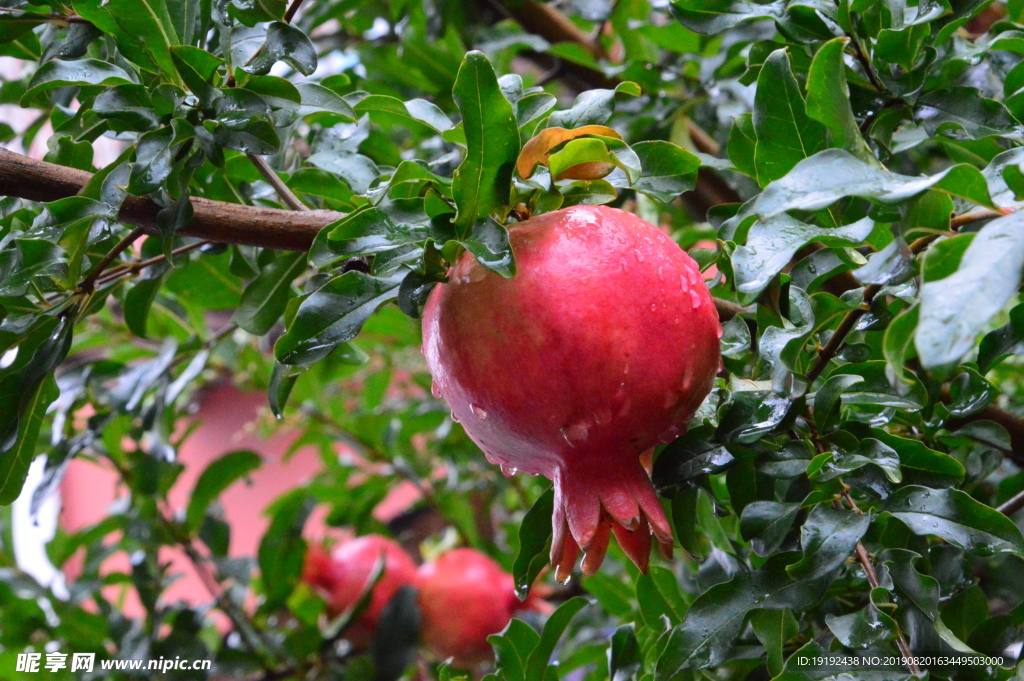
956	517
956	308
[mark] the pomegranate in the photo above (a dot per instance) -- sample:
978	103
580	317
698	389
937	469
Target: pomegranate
603	343
464	597
343	576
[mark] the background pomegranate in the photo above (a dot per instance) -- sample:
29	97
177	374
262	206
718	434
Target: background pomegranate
342	577
464	597
602	344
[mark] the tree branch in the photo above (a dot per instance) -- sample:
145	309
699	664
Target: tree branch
219	221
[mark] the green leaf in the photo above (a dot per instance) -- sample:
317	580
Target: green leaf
14	462
773	629
785	134
711	17
316	98
593	107
264	299
828	537
915	456
489	244
483	180
537	663
56	73
149	22
128	107
828	400
828	100
954	310
866	627
418	111
765	524
964	109
284	43
282	549
282	380
534	543
332	315
742	144
138	301
833	174
252	12
666	170
955	516
625	657
512	649
216	478
585	158
716	617
899	336
396	636
999	344
772	243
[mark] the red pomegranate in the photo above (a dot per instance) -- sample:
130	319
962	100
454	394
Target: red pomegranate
343	576
603	343
464	597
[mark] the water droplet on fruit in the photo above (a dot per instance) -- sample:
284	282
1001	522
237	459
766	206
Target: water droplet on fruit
478	412
654	307
624	409
694	298
718	331
455	418
602	416
576	433
435	389
683	283
621	238
661	274
639	255
508	471
625	267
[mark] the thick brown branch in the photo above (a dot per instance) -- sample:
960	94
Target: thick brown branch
219	221
546	21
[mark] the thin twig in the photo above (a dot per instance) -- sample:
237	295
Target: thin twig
290	12
286	194
1012	505
131	267
864	558
959	221
89	282
865	64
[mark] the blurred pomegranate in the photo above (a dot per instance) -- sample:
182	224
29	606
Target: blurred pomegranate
342	576
464	597
604	343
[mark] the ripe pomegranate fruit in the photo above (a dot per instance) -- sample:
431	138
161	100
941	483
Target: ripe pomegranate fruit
342	577
465	597
603	343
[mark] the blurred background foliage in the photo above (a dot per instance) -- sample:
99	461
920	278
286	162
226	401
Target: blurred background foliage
850	485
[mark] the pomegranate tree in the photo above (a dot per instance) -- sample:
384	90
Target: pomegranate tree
343	576
604	343
464	597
